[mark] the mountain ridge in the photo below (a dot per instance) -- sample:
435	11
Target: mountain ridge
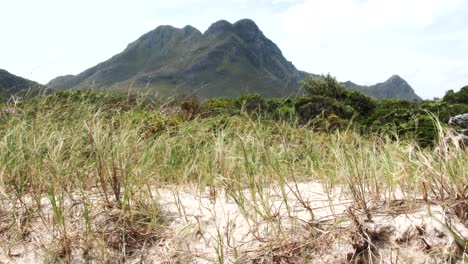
227	60
11	84
395	87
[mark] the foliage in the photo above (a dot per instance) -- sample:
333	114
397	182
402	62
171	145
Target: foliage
310	107
280	108
326	86
250	103
189	105
460	97
444	110
340	99
218	106
106	171
326	112
413	120
363	104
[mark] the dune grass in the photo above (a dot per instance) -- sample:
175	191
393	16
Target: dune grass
87	165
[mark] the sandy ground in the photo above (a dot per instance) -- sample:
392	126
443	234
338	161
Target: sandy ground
298	224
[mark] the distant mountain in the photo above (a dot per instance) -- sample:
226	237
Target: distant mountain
60	81
11	84
227	60
395	87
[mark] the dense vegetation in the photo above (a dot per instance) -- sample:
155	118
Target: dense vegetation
460	97
329	105
88	167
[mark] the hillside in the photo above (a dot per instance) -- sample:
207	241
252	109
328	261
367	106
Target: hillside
227	60
394	87
11	84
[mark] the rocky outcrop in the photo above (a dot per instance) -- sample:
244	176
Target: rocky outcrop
458	138
459	120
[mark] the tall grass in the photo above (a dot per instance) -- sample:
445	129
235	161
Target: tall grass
70	145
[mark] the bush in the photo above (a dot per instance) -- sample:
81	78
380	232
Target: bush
251	103
218	106
460	97
279	108
409	120
311	107
444	110
326	86
190	105
362	103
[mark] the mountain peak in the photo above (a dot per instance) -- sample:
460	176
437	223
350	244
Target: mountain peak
217	27
168	30
394	87
165	28
190	30
228	59
395	78
247	29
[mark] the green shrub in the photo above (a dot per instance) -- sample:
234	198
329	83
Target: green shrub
251	103
444	110
326	86
460	97
218	106
311	107
280	109
363	104
342	100
408	120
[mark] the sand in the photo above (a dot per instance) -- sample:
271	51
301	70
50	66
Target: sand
297	224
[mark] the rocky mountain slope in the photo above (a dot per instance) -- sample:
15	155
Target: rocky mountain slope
227	60
395	87
11	84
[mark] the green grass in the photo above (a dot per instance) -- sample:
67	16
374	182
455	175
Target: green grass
68	145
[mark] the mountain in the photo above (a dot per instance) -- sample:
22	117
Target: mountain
227	60
61	80
11	84
395	87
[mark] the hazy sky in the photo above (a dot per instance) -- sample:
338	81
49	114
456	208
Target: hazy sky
365	41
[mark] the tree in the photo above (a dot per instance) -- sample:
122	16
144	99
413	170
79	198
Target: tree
460	97
326	86
362	103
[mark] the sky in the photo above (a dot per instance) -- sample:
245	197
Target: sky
365	41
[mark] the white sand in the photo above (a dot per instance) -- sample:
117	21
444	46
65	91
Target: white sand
201	225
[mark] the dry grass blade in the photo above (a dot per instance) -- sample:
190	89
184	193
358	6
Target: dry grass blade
96	175
128	231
